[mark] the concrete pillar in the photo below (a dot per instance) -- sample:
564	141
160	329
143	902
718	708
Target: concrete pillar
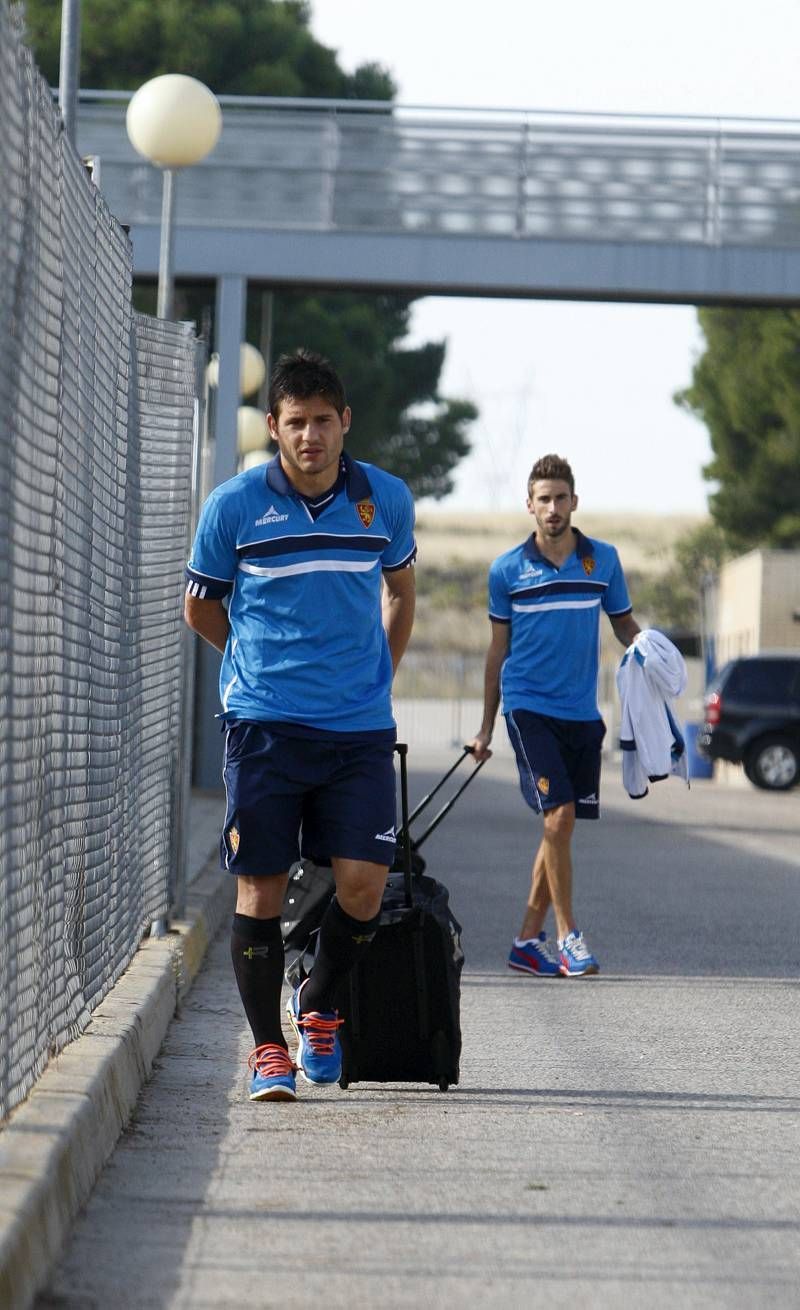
228	337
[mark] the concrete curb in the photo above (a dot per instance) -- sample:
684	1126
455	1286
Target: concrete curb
56	1143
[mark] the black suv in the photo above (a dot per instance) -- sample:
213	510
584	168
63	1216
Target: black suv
752	717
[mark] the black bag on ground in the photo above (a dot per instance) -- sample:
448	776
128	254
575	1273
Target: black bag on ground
401	1003
308	895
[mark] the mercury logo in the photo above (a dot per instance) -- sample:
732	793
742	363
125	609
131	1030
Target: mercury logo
271	516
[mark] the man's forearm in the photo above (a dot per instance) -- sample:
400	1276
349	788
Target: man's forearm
209	619
491	692
398	621
625	629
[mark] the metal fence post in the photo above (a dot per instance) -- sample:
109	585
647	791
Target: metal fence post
69	66
228	337
189	653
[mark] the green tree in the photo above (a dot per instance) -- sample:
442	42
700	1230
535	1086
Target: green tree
266	47
399	419
237	47
746	389
672	599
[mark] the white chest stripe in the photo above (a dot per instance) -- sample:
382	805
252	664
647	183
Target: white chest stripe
310	566
556	605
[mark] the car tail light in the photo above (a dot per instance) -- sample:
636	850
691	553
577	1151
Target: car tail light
713	709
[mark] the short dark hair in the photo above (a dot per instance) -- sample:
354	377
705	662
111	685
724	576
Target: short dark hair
304	374
553	467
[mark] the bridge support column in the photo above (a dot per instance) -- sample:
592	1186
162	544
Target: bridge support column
228	337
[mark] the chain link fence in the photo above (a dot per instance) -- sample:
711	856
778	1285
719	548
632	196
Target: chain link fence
97	414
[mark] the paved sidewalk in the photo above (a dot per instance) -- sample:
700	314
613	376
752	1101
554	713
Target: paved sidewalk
621	1141
599	1175
56	1143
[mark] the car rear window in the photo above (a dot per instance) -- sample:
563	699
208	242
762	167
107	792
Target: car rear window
768	681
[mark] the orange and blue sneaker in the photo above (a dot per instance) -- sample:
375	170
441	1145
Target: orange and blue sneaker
319	1051
574	957
534	955
273	1073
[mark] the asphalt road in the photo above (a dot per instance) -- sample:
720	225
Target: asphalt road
627	1140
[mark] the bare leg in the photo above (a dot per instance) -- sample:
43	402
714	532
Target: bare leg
261	898
559	824
359	886
539	899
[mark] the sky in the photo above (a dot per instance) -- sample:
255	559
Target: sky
592	382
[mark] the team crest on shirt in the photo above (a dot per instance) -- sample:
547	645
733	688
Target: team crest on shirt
588	565
543	785
366	512
233	838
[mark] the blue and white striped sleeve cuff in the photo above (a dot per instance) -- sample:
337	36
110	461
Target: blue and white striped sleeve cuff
205	588
403	564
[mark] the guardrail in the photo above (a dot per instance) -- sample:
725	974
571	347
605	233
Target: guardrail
348	166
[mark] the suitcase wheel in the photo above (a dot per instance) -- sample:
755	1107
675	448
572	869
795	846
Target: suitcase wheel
344	1083
441	1060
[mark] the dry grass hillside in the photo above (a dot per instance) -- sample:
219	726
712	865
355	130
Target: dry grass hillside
644	541
457	547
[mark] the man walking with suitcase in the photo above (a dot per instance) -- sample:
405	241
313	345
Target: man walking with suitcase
313	553
545	598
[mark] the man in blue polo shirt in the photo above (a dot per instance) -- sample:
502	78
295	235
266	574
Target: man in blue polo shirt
313	555
545	598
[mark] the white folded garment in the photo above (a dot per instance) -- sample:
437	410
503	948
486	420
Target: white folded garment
651	674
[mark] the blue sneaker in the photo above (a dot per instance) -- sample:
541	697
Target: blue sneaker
534	956
319	1051
574	957
273	1073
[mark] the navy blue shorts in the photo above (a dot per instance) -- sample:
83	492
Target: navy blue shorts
290	796
558	761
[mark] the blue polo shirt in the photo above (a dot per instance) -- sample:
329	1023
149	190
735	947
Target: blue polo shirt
553	658
306	646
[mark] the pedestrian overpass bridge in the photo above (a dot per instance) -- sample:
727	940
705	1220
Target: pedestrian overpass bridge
471	202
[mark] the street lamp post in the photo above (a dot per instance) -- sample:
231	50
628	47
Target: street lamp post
69	65
174	121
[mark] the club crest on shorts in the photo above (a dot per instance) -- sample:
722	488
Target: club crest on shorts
543	785
366	512
588	565
233	838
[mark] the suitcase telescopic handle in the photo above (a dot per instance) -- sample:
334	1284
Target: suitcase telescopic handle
402	751
427	799
404	834
447	807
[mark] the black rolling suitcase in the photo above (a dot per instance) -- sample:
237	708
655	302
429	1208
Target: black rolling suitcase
401	1002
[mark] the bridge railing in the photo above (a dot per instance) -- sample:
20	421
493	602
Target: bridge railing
372	167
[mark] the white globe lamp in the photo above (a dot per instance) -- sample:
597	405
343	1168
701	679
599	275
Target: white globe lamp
251	430
174	121
254	458
252	370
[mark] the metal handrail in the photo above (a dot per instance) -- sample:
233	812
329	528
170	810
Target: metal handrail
383	106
